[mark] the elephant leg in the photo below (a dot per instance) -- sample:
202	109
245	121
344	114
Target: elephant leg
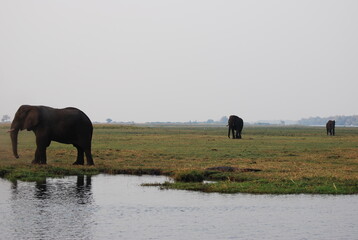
233	133
80	156
40	154
37	157
89	157
239	135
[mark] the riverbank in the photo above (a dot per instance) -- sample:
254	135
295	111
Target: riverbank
278	160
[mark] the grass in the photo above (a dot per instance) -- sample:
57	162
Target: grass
286	160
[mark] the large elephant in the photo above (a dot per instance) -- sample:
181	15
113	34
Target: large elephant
235	124
68	125
330	126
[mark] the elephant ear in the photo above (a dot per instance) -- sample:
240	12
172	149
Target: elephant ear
32	119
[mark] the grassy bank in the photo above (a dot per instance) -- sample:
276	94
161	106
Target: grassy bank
267	159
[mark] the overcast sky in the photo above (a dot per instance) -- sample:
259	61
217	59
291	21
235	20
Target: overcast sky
164	60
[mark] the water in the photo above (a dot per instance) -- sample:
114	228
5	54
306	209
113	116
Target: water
117	207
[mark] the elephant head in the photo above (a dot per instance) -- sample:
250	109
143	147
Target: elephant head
26	117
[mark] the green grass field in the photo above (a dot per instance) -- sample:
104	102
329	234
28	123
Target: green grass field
279	160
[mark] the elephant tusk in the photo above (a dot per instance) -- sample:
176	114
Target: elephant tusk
11	130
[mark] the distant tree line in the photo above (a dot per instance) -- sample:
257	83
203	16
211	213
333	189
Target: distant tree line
224	120
5	118
340	120
312	121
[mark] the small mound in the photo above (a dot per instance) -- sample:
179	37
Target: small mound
232	169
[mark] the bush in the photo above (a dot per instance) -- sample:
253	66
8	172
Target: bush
192	176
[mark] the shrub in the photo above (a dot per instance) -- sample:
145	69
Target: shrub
192	176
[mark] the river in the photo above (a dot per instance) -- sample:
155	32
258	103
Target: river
118	207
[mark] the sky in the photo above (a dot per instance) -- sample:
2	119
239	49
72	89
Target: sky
181	60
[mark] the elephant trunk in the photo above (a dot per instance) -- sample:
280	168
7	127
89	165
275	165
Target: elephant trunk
13	134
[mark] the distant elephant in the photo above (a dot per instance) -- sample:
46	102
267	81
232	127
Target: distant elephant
235	124
330	126
68	125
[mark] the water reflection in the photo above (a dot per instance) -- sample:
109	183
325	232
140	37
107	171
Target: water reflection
63	189
41	190
117	207
51	209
